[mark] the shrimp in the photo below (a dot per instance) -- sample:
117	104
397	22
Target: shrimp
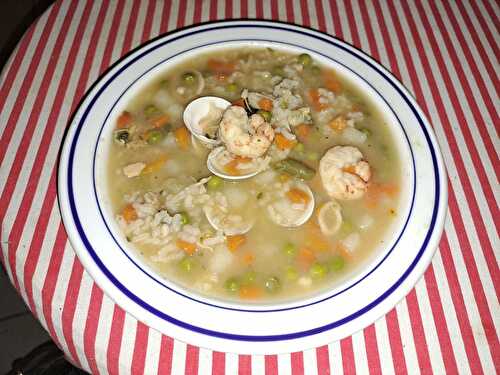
344	173
243	136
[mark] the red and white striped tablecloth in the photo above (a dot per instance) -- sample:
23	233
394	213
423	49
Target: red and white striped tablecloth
446	53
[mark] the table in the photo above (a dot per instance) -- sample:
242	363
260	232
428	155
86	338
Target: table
445	52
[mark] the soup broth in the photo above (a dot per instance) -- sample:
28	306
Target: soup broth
324	151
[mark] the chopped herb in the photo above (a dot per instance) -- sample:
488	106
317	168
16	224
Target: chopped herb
122	136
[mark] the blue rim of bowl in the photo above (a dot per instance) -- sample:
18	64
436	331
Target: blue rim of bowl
255	338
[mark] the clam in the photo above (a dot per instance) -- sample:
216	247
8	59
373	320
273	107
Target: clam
199	112
227	223
285	214
330	218
214	165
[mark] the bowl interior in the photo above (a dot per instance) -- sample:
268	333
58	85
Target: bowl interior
149	74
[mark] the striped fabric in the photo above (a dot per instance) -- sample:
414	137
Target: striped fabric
446	53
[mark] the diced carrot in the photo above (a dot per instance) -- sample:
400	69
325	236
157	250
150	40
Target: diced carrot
302	131
159	121
315	100
314	97
318	243
298	196
182	137
250	292
376	190
154	165
266	104
283	143
123	120
248	258
315	239
236	241
331	82
338	123
129	213
218	66
306	257
188	247
239	102
232	167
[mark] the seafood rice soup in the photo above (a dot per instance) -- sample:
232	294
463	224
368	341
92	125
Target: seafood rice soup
284	192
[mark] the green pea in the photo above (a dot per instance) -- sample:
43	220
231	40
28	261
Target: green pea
305	59
265	114
184	218
291	274
187	264
316	70
214	183
284	105
290	249
232	285
249	277
154	136
345	228
188	78
368	132
337	263
232	88
318	270
273	284
151	110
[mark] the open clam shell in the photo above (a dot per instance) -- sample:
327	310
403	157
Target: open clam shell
198	109
283	213
225	222
217	169
330	218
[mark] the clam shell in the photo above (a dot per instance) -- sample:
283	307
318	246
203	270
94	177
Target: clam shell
212	167
196	110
